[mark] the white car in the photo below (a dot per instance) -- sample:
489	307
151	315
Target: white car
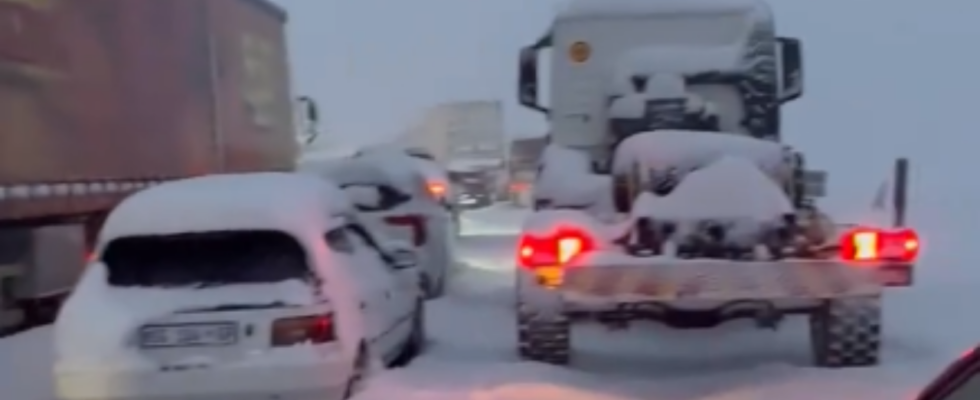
394	198
250	286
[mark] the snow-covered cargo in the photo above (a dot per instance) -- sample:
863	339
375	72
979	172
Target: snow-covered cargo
688	150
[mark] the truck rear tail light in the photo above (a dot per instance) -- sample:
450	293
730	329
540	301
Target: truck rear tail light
866	244
420	236
554	250
315	329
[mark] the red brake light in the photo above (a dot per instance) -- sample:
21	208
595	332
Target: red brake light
299	330
553	251
416	223
864	244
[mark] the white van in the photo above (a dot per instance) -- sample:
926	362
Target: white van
251	286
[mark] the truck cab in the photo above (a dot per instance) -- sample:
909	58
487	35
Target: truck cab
619	67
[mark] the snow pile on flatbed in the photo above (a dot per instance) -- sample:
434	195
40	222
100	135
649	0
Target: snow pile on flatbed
574	9
728	190
686	150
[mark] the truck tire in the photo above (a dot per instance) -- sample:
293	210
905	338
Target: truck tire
544	340
846	332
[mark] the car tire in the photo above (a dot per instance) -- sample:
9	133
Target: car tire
546	340
359	373
426	286
847	332
415	344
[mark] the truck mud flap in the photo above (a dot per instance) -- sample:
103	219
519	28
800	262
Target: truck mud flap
723	281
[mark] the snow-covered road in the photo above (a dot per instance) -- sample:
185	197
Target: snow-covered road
471	356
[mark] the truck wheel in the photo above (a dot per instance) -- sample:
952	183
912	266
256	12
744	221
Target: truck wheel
847	332
544	340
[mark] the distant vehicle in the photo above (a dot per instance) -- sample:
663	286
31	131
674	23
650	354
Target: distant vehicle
219	104
256	285
522	168
394	198
475	182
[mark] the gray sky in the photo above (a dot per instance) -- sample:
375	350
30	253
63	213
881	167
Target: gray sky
885	77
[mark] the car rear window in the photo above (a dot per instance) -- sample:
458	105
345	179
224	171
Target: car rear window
205	259
374	197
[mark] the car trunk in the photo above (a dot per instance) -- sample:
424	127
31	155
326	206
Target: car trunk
217	296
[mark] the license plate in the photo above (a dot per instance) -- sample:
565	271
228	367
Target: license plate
189	335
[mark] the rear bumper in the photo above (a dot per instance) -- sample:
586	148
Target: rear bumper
284	382
697	285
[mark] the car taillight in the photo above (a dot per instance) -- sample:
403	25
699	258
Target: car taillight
865	244
553	251
416	223
436	189
292	331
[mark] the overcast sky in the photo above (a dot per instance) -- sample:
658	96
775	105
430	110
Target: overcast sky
885	77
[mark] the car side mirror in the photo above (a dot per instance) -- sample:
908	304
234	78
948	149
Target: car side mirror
959	381
402	254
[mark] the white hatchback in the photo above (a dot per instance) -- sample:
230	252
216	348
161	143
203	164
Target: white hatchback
253	286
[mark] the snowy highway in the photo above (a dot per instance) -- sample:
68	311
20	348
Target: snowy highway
471	355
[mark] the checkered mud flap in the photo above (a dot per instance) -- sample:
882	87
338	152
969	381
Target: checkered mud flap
722	281
846	332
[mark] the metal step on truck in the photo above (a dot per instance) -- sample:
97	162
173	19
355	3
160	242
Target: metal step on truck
675	199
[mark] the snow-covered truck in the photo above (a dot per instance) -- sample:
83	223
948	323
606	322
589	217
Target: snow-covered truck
668	194
97	102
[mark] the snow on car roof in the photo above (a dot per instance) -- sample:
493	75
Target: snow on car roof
431	170
282	201
401	169
348	171
575	9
